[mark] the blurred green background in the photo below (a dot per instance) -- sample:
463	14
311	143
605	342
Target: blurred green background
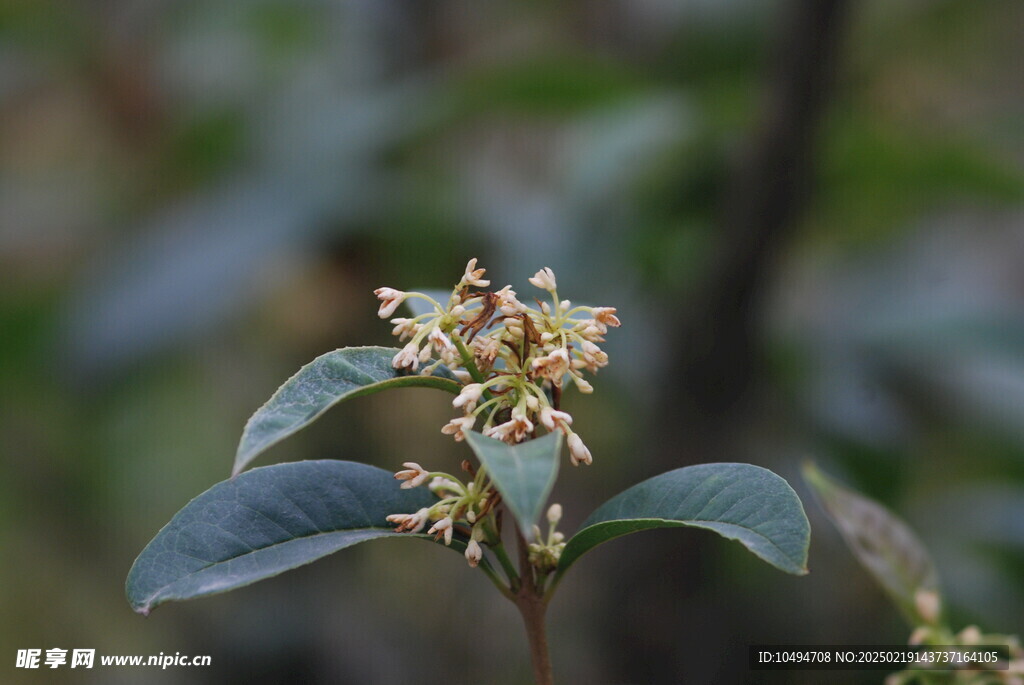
810	215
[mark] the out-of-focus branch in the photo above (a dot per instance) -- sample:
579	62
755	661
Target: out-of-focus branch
716	346
716	337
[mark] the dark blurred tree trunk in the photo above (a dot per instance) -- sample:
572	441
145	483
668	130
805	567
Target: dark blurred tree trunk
716	354
717	335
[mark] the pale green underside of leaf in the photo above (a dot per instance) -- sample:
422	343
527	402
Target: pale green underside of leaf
323	383
885	545
741	502
264	522
524	474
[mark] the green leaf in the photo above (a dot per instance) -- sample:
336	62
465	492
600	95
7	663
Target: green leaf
885	545
524	474
265	522
321	384
738	501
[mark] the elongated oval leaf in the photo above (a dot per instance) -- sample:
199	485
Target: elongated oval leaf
321	384
738	501
264	522
524	474
885	545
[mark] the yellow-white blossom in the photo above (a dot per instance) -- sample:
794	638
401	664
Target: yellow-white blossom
545	280
390	299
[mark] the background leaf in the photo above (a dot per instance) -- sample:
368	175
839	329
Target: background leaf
524	474
738	501
319	385
885	545
265	522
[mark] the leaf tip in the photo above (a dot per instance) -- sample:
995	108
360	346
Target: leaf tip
143	607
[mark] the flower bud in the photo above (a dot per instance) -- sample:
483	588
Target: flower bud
468	397
474	553
390	299
970	635
578	452
544	279
928	605
554	514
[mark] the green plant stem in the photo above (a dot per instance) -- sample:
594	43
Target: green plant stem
507	565
469	363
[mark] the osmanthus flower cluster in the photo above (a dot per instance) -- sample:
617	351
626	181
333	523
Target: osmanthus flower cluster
514	361
518	357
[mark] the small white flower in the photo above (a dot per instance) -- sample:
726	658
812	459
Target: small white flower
578	452
404	328
443	524
594	356
485	350
442	527
553	418
928	605
390	299
441	341
970	635
469	396
606	316
512	431
554	514
473	275
409	523
513	326
445	349
440	485
414	475
553	366
544	279
407	358
462	375
507	302
582	385
458	427
474	553
591	330
425	354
